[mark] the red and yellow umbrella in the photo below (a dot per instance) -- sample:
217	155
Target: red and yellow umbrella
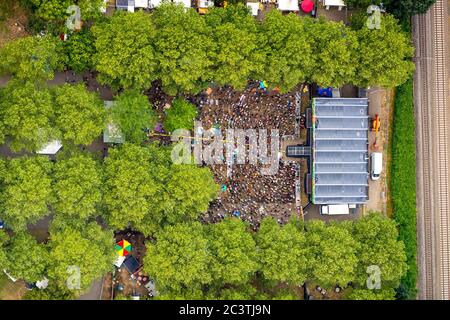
123	248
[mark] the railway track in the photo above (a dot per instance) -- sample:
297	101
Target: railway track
432	136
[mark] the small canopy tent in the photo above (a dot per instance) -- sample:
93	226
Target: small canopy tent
51	148
288	5
254	7
112	133
334	3
131	264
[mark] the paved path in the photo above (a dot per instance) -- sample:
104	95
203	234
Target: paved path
94	292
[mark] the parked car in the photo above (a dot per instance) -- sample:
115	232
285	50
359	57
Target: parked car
376	164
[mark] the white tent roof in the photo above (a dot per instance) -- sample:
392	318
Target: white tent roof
254	7
51	148
141	3
119	261
205	4
42	284
154	3
288	5
334	3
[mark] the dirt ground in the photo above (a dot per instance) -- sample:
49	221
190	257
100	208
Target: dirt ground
11	290
13	19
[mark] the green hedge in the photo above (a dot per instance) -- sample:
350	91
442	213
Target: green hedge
403	183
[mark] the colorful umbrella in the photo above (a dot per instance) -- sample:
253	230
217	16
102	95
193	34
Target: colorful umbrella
307	6
123	248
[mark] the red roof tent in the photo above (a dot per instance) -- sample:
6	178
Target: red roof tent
307	6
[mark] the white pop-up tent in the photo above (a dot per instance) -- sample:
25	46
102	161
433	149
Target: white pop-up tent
51	148
288	5
254	7
334	3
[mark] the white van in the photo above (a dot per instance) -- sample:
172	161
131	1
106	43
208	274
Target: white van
376	163
334	209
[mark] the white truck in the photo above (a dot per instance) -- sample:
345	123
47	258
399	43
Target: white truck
335	209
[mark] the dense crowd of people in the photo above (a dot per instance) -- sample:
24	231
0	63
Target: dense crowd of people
245	191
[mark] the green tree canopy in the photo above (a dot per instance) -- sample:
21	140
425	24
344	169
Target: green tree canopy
335	51
52	292
133	113
283	252
385	55
180	115
27	191
365	294
179	259
26	259
90	249
286	40
80	114
379	246
27	113
333	253
57	9
183	45
233	252
129	187
78	183
79	49
31	58
125	54
236	56
404	8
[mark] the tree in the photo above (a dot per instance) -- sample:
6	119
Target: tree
79	49
125	54
90	250
4	238
26	259
180	115
27	191
52	292
333	259
57	9
183	43
78	183
233	252
379	246
365	294
236	57
286	41
129	187
133	113
335	51
385	55
282	252
27	113
188	191
179	259
404	8
80	114
31	58
365	3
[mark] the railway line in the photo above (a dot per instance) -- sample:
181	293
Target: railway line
431	103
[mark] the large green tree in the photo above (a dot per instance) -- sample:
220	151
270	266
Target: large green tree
26	259
379	246
79	50
31	58
183	43
335	52
286	41
181	115
78	183
332	253
283	252
90	250
404	8
79	114
27	192
236	57
233	252
180	258
133	113
57	9
27	113
384	55
129	187
125	54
